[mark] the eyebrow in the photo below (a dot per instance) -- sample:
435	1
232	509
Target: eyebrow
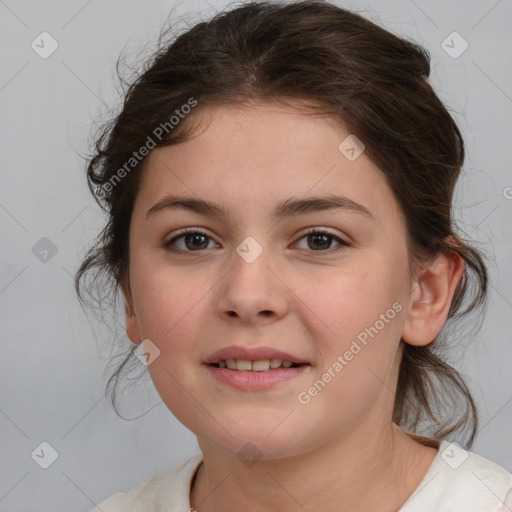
286	208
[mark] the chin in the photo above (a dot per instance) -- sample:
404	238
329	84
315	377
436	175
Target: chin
252	440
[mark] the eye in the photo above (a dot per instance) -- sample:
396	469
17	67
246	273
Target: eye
319	240
193	241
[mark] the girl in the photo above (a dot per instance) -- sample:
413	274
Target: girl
279	186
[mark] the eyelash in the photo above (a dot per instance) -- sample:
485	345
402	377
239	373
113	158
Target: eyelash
310	231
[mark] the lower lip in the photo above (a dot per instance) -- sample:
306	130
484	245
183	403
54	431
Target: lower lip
255	381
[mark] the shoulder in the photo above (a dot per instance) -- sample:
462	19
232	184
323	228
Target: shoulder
168	490
461	480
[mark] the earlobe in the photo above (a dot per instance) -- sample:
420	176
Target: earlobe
132	324
432	297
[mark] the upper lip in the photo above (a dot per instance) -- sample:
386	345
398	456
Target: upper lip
251	354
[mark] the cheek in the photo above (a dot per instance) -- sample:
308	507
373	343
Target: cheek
353	299
170	311
363	309
168	300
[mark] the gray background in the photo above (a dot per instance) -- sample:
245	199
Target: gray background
53	366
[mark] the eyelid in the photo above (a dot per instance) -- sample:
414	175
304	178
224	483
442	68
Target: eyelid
320	229
186	231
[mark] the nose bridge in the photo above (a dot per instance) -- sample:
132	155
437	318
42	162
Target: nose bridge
250	288
250	263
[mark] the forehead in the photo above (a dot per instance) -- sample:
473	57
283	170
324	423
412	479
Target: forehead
254	157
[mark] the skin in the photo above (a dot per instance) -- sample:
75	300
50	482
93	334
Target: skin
341	451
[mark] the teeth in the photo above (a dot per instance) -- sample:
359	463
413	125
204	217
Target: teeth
242	364
257	366
260	366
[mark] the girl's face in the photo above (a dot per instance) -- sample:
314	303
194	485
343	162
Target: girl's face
255	285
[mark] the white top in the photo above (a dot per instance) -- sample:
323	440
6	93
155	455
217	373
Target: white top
457	481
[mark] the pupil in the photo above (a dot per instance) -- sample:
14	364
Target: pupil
194	237
325	238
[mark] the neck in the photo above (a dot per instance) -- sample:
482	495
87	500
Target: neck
359	472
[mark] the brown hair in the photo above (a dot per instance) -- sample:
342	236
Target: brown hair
340	64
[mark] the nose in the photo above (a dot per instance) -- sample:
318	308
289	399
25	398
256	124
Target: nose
252	291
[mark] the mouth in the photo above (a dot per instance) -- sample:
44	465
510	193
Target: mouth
261	365
256	369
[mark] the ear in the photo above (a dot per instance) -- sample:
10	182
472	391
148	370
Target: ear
431	298
132	324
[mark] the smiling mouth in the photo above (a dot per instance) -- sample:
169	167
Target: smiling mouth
261	365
